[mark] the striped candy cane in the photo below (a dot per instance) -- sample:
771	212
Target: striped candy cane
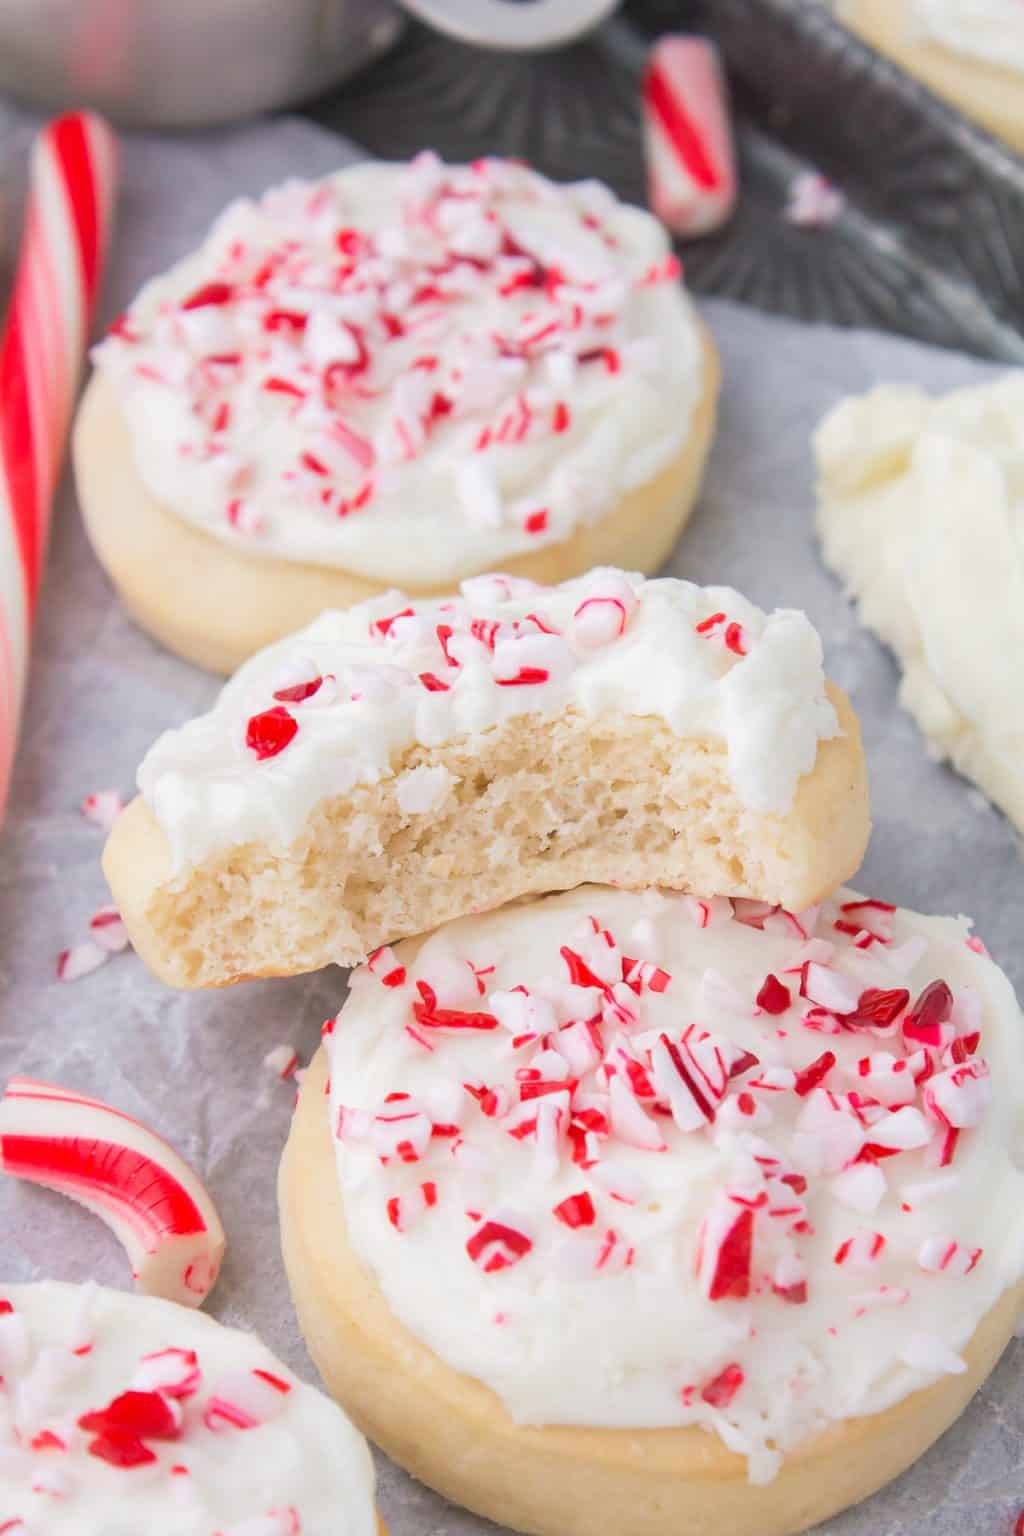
691	170
67	221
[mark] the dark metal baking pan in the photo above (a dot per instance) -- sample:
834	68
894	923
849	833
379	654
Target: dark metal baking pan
931	243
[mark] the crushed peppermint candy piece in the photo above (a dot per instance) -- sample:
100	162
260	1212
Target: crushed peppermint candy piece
813	202
107	929
102	808
282	1061
81	960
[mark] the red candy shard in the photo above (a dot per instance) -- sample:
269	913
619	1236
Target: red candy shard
269	733
720	1392
773	997
813	1074
734	639
121	1449
730	1276
576	1210
145	1414
299	692
433	684
215	293
524	677
427	1013
877	1005
46	1440
580	973
930	1011
507	1246
383	626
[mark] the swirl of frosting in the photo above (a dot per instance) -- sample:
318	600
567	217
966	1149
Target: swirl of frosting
410	372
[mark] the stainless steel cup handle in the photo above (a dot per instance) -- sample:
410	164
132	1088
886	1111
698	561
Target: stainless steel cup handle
501	24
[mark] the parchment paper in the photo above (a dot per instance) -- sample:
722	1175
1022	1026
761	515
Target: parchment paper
191	1065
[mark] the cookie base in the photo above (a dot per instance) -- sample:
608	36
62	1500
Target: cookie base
216	605
572	800
454	1434
985	93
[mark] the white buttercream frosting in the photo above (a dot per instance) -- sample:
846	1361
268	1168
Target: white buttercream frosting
395	672
922	515
229	1441
546	1205
411	372
989	30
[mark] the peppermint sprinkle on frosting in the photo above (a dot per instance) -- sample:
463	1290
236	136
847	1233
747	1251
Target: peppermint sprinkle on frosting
648	1160
412	372
116	1408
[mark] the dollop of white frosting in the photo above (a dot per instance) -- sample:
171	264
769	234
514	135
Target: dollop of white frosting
639	1160
921	512
411	372
339	703
295	1468
989	30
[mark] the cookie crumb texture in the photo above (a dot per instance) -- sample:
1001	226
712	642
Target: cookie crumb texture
511	742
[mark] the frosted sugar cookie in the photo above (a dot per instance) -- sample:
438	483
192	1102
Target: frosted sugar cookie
409	761
970	52
398	376
921	513
127	1414
629	1212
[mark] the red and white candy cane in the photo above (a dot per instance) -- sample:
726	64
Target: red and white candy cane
67	222
123	1172
691	167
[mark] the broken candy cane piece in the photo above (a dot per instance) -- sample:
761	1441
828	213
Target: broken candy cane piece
108	931
498	1243
720	1392
813	202
404	1211
724	1250
245	1400
122	1172
603	617
171	1372
281	1061
81	960
385	967
102	808
691	171
945	1256
959	1098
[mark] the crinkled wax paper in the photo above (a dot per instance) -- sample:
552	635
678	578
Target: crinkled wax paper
191	1065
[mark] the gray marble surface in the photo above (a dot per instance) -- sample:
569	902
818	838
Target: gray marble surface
191	1066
